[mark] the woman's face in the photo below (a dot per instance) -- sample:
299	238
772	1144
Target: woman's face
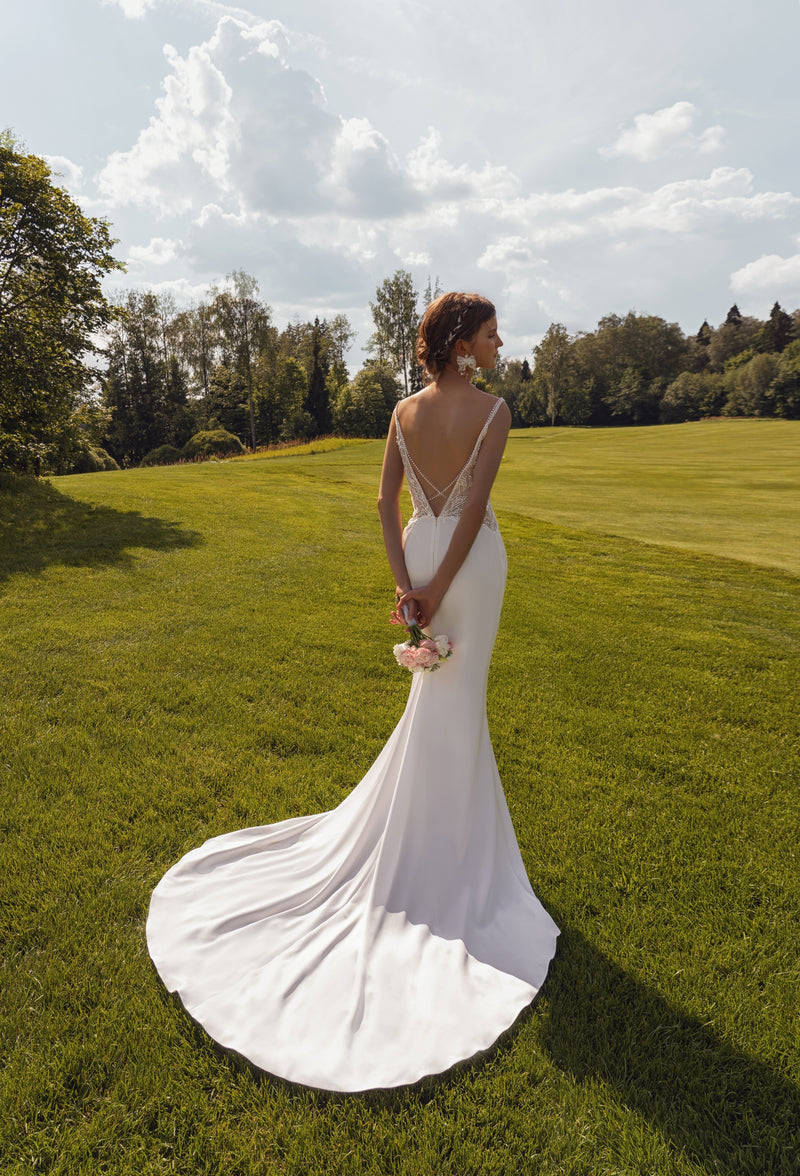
486	344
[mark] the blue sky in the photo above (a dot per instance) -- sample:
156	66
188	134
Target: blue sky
567	158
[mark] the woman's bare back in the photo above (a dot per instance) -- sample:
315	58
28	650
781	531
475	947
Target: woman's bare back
440	430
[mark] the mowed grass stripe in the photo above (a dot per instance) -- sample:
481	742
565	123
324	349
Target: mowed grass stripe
196	649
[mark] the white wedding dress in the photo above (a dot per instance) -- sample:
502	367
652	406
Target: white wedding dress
397	934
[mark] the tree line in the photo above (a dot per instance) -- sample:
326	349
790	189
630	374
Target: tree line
89	383
641	370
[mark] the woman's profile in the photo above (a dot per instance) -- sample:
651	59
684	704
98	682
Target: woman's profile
397	934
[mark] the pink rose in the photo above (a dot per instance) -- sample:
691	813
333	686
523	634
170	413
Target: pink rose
405	656
427	656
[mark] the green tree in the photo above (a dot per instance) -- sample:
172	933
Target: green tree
227	407
244	326
703	336
776	334
785	390
282	391
145	389
364	408
394	313
692	395
553	370
316	404
738	333
750	387
197	341
52	260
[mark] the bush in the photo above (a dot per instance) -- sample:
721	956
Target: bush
89	460
163	455
105	457
212	443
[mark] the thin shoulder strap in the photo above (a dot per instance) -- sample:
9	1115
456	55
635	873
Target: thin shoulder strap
413	470
483	432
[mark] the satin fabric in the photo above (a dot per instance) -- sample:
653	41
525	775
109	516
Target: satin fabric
397	934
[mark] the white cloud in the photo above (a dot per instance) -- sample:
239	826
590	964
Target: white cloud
415	260
160	251
187	141
507	252
133	9
364	175
432	174
250	166
769	272
66	173
667	130
682	207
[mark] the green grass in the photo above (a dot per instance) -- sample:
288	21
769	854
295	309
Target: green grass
172	668
728	487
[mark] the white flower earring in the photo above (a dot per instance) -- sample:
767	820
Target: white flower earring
467	366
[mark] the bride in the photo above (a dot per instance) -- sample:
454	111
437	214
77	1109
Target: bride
397	934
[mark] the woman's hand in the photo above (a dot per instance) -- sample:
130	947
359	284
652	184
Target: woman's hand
421	604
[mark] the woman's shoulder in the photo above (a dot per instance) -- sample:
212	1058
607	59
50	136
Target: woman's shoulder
408	406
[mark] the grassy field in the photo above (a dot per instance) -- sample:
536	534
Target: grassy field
171	667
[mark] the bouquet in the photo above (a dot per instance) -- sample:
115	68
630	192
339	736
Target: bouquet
420	652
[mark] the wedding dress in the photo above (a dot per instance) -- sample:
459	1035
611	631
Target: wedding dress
398	933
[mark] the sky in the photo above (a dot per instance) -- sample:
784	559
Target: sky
569	159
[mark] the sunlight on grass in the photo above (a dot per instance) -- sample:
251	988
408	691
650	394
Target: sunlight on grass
730	487
173	666
300	448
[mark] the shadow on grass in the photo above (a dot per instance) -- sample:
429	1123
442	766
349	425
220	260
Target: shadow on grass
40	526
729	1111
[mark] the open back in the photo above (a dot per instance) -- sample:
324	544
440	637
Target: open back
447	502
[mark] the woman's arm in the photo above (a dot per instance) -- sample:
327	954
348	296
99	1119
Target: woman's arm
389	510
427	599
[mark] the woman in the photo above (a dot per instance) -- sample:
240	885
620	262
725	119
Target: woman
397	934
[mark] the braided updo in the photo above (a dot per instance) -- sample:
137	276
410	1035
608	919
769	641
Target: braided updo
448	319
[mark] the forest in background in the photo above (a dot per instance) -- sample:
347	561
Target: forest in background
87	383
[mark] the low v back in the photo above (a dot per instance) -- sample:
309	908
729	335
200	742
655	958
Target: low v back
456	493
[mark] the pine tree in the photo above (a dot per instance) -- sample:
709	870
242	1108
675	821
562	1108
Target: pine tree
777	331
703	336
317	403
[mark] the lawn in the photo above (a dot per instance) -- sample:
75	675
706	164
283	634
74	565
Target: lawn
176	663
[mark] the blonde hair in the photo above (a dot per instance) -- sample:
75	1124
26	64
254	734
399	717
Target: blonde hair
449	318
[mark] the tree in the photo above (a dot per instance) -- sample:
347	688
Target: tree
785	389
244	324
731	338
692	395
703	336
364	408
552	370
52	259
394	313
317	405
282	391
145	389
776	334
432	292
750	386
198	340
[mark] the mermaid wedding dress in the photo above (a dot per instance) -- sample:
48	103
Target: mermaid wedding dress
397	934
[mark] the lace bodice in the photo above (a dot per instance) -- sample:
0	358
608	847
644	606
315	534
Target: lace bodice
455	495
